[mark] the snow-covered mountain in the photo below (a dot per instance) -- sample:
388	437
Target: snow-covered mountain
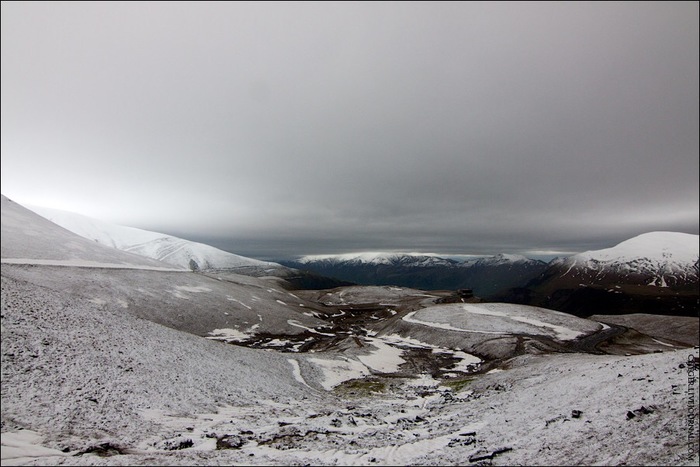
484	276
30	238
656	272
658	259
163	247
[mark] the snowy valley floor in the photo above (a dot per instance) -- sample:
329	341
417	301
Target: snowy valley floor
84	384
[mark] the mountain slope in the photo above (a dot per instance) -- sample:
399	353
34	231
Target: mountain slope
163	247
26	236
484	276
658	259
653	273
144	287
87	386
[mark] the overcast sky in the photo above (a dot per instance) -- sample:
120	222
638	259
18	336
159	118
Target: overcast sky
276	129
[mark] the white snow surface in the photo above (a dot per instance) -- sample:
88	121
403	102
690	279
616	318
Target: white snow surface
336	371
503	319
661	256
163	247
385	359
655	246
28	237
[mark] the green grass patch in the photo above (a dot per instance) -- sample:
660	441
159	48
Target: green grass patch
361	387
458	384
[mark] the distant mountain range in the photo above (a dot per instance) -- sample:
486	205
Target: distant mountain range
656	272
485	276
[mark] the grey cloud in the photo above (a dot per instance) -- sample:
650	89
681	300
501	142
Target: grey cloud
312	128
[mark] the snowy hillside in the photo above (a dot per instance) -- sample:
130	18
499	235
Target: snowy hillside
166	248
657	258
29	238
152	290
89	386
96	370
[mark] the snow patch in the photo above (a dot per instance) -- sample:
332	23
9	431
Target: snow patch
386	359
338	371
21	447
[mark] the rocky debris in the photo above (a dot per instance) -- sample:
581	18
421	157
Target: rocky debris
576	414
106	449
640	411
174	445
555	419
485	455
230	442
464	439
644	410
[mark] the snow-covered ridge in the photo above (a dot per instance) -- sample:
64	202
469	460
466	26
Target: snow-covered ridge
163	247
501	259
663	256
368	257
408	259
654	246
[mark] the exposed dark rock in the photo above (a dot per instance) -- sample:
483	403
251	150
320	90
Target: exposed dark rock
490	455
103	450
176	445
230	442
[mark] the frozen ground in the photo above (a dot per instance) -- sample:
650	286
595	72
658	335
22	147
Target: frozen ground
681	330
186	301
361	295
503	319
89	386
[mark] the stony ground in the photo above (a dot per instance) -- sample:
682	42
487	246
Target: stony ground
84	384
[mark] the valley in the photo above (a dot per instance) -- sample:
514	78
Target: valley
110	358
146	394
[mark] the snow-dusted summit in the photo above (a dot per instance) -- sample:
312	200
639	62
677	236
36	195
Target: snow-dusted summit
654	258
163	247
379	258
